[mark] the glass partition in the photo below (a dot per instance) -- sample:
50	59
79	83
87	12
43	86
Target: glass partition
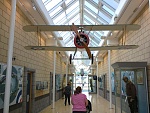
117	91
141	80
131	77
136	73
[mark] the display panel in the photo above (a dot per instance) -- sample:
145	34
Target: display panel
45	84
140	78
41	85
16	84
130	75
38	85
58	81
112	82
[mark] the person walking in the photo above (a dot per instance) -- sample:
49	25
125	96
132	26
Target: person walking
79	101
131	95
67	93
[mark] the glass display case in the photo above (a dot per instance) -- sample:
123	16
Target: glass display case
136	73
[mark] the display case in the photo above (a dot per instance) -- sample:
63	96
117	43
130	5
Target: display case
136	73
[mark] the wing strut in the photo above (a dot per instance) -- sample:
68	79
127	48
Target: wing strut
75	52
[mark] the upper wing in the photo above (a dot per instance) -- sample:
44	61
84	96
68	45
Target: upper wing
34	28
55	48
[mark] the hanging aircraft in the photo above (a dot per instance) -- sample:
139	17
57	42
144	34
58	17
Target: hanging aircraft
81	39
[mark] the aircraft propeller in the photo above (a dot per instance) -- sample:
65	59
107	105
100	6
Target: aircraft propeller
82	40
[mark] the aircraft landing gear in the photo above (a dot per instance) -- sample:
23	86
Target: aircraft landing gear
70	58
92	59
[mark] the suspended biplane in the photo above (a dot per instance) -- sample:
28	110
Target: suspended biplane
81	39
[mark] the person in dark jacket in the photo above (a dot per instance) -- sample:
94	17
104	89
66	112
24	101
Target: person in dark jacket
131	95
67	92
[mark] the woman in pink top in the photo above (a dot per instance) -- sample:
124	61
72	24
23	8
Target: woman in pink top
79	101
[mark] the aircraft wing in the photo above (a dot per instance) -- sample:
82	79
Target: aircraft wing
112	27
56	48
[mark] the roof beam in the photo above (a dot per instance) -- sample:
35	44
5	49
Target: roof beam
68	42
56	6
93	42
81	3
117	1
101	9
90	16
107	5
92	37
46	2
70	17
60	12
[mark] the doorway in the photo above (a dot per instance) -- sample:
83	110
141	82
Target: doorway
88	83
81	81
29	92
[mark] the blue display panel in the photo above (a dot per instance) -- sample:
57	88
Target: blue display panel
16	84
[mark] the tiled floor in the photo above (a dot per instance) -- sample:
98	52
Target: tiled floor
99	105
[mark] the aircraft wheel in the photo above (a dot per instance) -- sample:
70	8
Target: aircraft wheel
92	59
70	58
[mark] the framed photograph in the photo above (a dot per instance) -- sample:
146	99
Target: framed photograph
140	78
45	84
38	85
42	85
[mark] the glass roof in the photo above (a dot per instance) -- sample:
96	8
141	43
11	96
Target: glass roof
81	12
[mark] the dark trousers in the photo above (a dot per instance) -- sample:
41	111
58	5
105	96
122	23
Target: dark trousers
67	96
133	105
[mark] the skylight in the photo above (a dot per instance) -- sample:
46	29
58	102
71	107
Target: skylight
88	12
90	6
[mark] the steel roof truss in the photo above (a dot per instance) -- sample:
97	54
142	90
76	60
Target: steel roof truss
94	19
102	19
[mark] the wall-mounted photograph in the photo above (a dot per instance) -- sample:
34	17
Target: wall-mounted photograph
45	84
42	85
58	81
16	84
38	85
140	77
